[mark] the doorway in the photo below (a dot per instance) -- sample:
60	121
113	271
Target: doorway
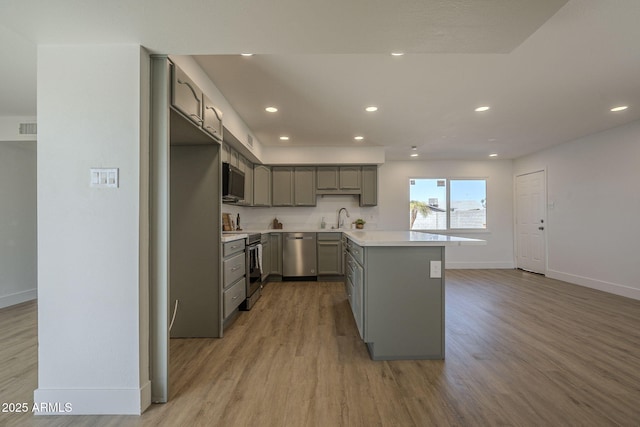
531	222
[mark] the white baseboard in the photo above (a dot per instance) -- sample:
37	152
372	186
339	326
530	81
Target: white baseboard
612	288
18	297
477	265
92	402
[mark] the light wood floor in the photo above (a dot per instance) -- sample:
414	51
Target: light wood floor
521	350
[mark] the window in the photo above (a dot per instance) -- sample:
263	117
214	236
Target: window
447	204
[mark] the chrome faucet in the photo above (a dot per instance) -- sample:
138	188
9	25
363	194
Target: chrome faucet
340	220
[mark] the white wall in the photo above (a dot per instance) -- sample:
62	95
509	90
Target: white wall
593	231
18	238
393	205
92	334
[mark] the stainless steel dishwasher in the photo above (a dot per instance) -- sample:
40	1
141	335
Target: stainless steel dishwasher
299	256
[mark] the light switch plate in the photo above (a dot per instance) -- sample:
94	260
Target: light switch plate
435	269
104	178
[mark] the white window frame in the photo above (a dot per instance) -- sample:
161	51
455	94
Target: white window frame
448	207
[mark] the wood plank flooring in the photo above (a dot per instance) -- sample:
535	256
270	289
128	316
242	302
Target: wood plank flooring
521	350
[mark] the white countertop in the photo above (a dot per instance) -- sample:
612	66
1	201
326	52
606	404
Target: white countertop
407	238
233	236
371	237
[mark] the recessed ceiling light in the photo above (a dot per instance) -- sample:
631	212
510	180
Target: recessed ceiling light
358	138
397	53
414	148
284	138
620	108
414	154
493	155
481	109
246	54
371	108
271	109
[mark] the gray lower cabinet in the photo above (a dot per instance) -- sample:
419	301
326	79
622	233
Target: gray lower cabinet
234	276
369	186
276	253
402	307
293	186
355	291
329	254
265	240
261	185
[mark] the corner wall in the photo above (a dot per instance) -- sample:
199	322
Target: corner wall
92	316
18	236
593	232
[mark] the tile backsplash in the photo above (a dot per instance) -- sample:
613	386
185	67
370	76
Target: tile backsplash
305	217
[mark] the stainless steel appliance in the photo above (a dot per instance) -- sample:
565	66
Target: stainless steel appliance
253	271
232	183
299	256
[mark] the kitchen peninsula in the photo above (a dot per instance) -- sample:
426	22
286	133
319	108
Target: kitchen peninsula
394	281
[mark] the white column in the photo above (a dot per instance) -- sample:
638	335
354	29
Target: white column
92	242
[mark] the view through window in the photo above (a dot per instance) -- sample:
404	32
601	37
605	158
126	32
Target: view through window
447	204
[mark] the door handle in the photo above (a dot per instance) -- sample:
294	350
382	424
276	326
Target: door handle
540	228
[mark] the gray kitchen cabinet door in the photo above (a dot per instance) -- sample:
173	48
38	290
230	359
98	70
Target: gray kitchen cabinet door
186	96
225	153
329	257
327	177
246	167
276	253
282	186
369	195
266	258
261	185
350	177
212	119
304	186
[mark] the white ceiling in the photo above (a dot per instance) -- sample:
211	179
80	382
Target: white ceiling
550	71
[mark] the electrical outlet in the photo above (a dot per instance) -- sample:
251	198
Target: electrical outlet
435	269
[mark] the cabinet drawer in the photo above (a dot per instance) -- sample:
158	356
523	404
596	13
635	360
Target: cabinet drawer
234	296
329	236
233	247
357	252
233	268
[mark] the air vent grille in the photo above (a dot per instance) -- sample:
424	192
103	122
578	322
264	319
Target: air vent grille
250	140
28	128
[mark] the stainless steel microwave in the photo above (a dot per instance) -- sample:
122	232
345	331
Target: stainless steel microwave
232	183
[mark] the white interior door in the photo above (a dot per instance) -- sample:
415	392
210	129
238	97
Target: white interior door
531	222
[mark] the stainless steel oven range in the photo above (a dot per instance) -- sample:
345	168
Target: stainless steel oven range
253	271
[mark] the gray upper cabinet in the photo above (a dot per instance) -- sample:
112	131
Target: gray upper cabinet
186	97
212	119
247	167
327	177
338	179
282	186
369	194
293	186
201	122
350	177
304	186
261	185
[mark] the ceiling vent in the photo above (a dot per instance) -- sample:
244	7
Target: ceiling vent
28	128
250	140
